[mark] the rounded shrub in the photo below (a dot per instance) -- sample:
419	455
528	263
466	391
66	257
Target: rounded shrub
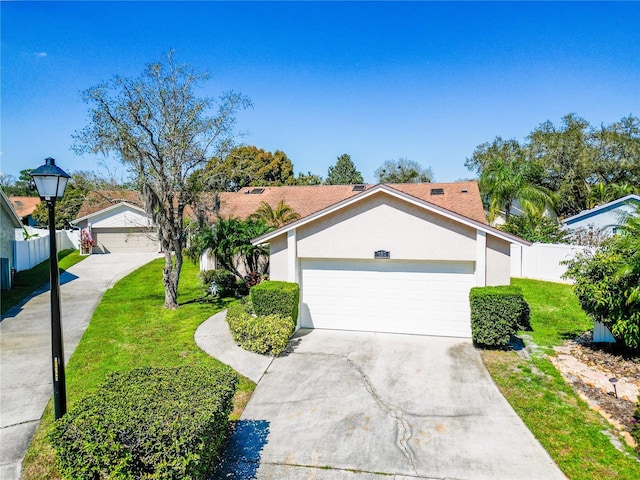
496	314
149	423
264	334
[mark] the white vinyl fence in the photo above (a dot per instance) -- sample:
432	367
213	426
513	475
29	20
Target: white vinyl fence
542	261
29	253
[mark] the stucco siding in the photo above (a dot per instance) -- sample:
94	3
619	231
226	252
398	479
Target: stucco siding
386	223
498	261
278	268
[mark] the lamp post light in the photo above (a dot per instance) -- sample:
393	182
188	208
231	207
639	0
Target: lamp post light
51	181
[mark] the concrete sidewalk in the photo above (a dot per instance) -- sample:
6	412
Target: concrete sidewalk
25	347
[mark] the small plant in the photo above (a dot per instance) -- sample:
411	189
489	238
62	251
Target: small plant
253	279
496	314
635	429
264	334
160	423
219	282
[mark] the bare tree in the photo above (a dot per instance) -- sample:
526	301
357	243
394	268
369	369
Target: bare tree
159	128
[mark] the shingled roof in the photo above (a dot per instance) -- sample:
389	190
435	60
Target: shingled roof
462	198
24	205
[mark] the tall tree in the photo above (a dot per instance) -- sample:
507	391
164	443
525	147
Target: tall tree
343	172
506	176
305	179
275	217
20	187
157	126
403	170
247	166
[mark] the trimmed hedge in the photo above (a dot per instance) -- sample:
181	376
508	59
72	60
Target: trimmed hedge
497	313
264	334
275	297
149	423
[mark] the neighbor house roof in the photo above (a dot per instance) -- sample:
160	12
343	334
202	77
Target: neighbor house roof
633	198
391	189
462	198
102	199
24	205
8	207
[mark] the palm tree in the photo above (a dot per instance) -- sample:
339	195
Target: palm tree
506	180
275	218
629	238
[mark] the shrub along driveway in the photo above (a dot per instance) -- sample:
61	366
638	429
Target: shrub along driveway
344	405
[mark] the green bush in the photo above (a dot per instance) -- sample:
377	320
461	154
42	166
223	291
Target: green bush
635	428
496	314
225	282
150	423
274	297
264	334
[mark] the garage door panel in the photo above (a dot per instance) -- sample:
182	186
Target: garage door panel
122	240
387	296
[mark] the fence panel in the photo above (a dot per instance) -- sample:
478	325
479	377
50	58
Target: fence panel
542	261
29	253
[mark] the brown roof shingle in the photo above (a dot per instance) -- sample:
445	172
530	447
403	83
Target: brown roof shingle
24	205
460	197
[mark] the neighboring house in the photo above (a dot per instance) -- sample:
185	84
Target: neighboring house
9	222
117	222
24	207
392	258
604	217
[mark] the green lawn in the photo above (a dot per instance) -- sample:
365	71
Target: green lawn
28	281
566	427
130	329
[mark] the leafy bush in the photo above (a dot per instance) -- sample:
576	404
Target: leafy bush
535	229
496	314
220	282
604	294
274	297
149	423
264	334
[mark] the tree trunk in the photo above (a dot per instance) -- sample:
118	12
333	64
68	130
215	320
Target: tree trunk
170	276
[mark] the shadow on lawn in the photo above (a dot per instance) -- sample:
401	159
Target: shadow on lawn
241	459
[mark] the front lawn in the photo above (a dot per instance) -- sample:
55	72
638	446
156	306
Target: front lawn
28	281
130	329
575	436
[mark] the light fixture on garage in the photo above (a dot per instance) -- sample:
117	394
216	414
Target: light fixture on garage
382	254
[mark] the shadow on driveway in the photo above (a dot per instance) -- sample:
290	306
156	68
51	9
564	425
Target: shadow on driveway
242	457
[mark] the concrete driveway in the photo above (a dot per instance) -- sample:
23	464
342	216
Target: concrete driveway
25	347
346	405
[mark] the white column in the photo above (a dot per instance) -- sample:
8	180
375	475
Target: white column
292	256
481	258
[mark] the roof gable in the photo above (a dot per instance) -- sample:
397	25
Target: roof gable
606	207
102	199
8	208
386	189
111	209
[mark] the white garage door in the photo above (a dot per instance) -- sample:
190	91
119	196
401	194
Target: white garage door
427	298
123	240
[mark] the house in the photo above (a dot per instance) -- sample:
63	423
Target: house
9	221
392	258
117	222
604	217
24	207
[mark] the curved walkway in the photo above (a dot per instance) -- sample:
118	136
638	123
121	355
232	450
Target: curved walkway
213	336
25	347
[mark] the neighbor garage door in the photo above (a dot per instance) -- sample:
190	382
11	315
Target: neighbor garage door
427	298
123	240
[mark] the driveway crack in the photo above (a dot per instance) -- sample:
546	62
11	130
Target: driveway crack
402	425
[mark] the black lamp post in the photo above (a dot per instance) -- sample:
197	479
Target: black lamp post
51	182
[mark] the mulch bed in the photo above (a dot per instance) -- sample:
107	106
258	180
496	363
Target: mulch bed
612	363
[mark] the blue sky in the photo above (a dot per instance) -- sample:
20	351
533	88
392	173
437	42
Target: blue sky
428	81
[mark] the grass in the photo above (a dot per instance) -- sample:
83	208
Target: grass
130	329
28	281
575	436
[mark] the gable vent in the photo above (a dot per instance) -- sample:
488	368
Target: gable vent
437	191
359	188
